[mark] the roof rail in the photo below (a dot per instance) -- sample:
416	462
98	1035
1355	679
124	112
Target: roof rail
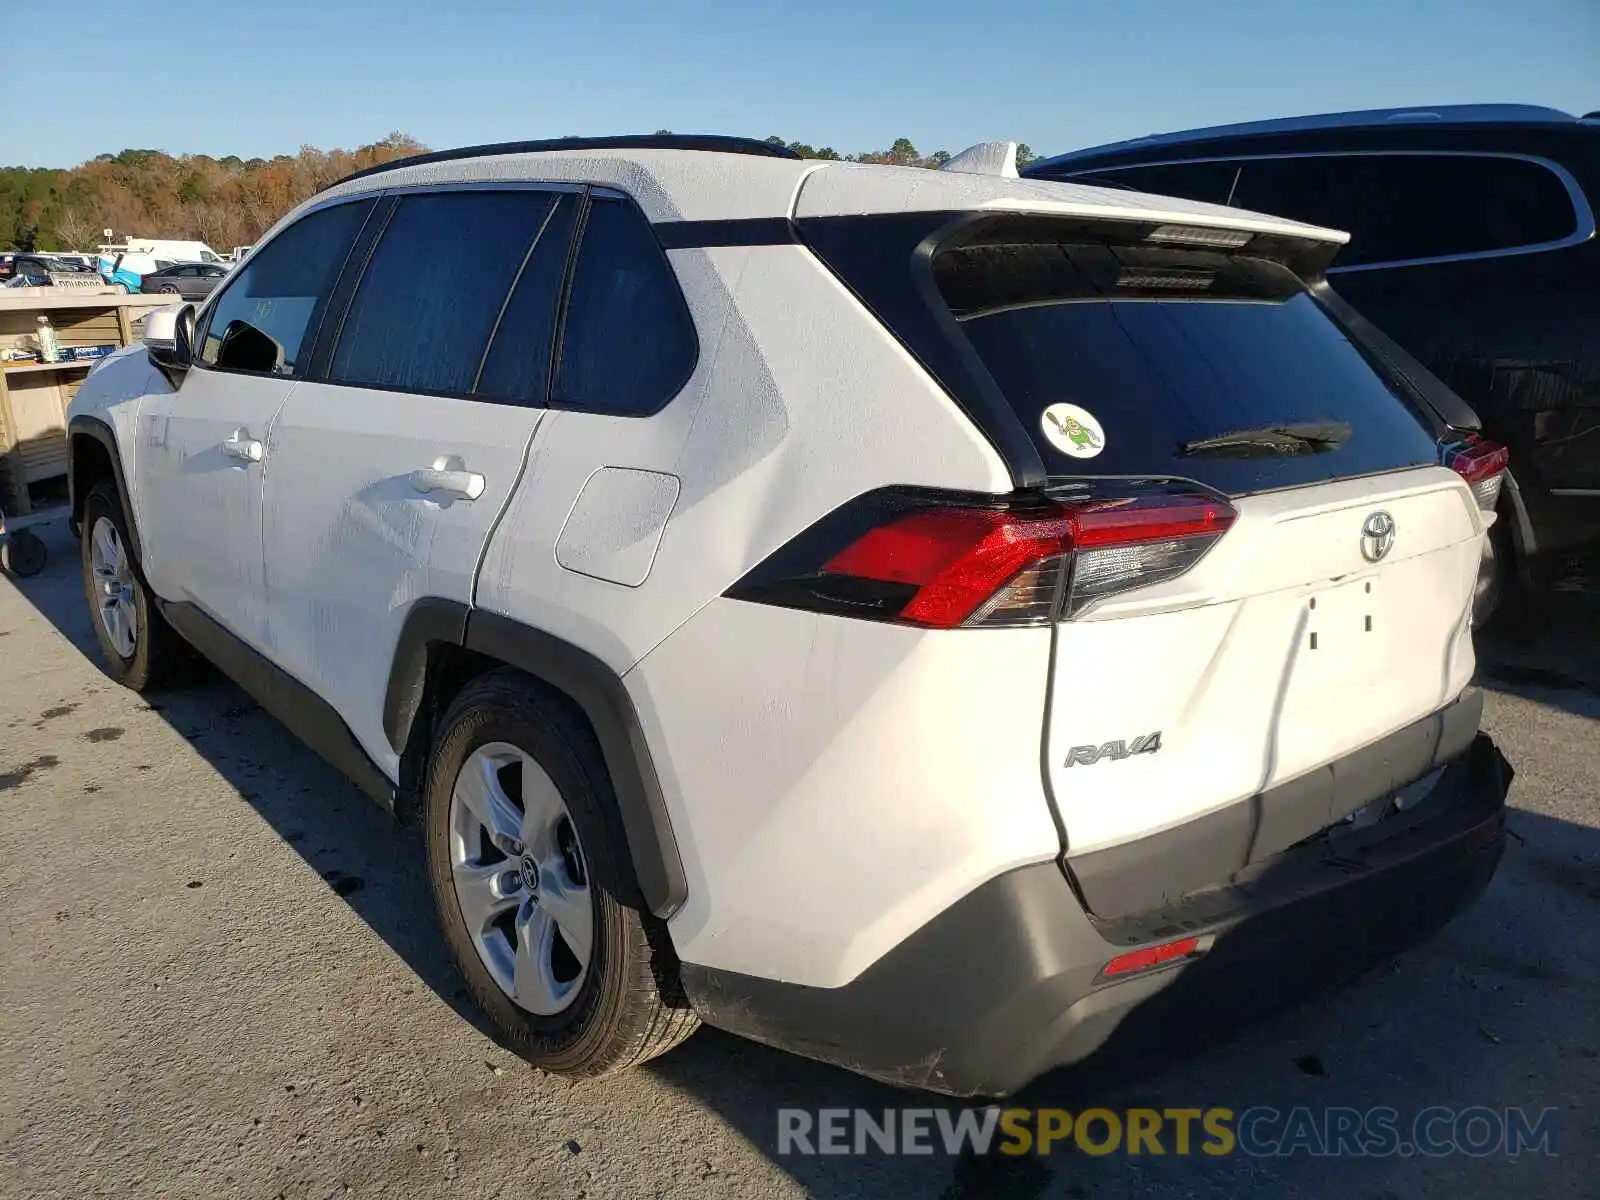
713	142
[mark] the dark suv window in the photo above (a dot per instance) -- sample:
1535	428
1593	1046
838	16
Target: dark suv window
263	315
1194	364
1209	181
431	296
627	343
1404	206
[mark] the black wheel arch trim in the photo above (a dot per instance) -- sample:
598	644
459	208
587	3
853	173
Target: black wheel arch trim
592	685
431	621
1524	539
93	427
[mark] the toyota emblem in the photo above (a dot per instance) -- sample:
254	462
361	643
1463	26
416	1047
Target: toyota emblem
1377	536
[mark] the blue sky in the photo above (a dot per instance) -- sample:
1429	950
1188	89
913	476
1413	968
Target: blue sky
258	79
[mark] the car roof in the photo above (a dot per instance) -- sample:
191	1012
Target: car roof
673	185
1369	118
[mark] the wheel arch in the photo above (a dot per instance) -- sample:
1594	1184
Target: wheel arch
1524	541
93	456
443	645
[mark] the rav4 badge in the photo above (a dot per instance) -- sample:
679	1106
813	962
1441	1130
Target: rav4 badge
1087	756
1073	430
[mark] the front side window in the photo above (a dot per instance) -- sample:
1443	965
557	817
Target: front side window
434	289
628	342
264	319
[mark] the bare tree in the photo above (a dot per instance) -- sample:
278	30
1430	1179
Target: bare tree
76	229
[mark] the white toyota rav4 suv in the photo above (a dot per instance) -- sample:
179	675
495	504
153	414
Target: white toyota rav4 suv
934	622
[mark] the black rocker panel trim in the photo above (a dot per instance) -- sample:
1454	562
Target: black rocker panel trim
304	713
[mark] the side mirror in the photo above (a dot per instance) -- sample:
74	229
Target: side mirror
169	339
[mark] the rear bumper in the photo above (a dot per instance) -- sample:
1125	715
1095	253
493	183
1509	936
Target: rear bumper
1006	983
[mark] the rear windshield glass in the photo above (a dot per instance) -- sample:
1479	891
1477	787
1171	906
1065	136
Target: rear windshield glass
1147	361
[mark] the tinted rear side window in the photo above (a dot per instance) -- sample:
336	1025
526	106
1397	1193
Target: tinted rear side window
518	364
1402	206
1171	352
628	343
433	291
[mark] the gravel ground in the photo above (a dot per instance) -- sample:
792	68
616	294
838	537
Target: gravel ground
221	977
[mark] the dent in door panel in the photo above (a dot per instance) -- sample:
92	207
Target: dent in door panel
615	525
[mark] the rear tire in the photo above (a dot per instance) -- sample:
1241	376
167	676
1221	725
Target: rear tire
614	1005
139	649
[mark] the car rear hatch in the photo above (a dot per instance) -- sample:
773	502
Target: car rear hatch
1265	569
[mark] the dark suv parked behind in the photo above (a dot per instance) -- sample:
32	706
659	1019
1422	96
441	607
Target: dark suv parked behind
1472	244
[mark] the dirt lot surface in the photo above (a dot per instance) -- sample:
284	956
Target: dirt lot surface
221	977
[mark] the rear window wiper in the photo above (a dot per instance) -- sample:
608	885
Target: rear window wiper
1308	437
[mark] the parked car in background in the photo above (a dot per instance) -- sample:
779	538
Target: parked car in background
192	281
174	249
1472	244
934	636
43	270
129	269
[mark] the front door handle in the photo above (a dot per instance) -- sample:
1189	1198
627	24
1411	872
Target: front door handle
242	446
449	476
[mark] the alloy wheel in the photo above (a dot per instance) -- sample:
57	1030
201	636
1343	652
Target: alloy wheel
115	588
520	878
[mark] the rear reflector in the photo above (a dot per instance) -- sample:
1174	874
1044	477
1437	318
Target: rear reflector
1152	956
944	566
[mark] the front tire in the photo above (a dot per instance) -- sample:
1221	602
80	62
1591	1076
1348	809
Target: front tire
528	867
139	649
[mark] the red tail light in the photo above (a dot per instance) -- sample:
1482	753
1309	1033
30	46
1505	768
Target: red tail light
1482	464
944	565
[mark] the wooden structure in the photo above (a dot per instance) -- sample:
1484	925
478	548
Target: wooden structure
34	395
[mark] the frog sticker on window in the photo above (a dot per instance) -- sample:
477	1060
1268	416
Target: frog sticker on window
1072	430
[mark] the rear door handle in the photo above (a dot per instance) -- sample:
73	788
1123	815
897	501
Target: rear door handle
242	446
448	476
